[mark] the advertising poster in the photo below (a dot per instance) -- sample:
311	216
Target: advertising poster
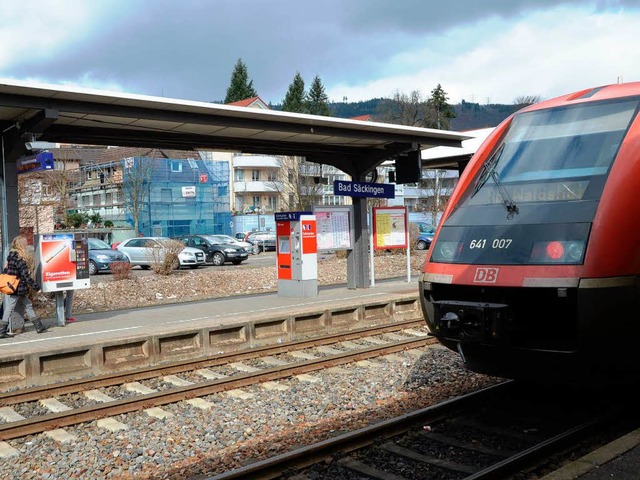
389	227
62	261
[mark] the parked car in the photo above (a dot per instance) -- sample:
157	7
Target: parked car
426	233
216	250
234	241
263	240
144	251
101	256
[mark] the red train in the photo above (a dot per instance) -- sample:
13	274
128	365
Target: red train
534	271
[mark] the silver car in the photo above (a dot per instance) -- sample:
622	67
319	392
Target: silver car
263	241
144	251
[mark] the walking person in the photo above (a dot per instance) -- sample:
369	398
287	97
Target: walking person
17	265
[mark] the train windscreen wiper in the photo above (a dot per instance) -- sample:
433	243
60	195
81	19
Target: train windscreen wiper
487	169
512	208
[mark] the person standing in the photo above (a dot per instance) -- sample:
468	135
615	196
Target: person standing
68	307
17	265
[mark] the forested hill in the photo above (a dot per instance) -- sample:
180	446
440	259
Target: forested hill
469	116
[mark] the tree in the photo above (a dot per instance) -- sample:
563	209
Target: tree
317	99
137	173
294	100
240	87
436	186
298	185
525	100
443	112
403	109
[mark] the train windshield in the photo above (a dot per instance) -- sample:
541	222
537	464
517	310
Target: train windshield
543	181
553	155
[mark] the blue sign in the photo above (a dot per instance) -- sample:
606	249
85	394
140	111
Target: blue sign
290	216
33	163
364	189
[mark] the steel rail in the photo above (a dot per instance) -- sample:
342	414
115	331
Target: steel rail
311	454
74	386
44	423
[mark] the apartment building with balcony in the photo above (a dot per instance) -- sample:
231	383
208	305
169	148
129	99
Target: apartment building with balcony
158	192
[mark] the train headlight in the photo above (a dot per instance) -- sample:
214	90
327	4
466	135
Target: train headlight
575	251
558	251
447	251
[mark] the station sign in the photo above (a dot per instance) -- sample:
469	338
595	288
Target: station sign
289	216
34	163
363	189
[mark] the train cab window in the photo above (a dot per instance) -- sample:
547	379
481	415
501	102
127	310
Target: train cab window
552	155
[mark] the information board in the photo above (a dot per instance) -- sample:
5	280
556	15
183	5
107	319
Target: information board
334	227
389	227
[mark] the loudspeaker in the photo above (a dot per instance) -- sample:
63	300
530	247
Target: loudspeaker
409	167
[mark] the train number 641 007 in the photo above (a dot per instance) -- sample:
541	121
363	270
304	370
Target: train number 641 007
496	243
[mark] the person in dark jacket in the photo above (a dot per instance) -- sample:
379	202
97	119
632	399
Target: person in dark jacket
17	265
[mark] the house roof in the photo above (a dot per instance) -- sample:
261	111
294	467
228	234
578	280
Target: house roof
66	114
253	102
364	118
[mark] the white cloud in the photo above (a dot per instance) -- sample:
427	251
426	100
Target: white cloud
548	54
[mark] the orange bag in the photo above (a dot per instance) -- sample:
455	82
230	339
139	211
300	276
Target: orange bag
8	283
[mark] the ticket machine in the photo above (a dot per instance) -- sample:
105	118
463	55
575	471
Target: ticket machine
297	254
61	263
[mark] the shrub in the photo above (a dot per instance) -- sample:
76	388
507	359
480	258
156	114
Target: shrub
121	270
165	260
108	224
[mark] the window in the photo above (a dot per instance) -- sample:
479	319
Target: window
238	175
272	175
96	199
176	166
255	175
273	203
256	201
165	195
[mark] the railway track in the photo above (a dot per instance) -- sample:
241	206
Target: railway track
495	433
75	402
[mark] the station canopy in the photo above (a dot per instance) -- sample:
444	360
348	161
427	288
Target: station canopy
62	114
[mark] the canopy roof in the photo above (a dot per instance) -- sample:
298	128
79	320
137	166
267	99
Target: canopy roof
83	116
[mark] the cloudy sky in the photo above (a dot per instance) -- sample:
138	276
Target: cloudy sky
485	51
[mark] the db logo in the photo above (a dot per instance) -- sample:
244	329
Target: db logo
486	275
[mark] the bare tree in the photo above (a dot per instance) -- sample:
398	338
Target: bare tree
436	186
525	100
137	173
405	109
299	185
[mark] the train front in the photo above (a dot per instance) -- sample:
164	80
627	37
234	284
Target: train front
533	272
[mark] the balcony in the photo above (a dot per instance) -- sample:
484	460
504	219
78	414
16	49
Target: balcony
257	187
257	161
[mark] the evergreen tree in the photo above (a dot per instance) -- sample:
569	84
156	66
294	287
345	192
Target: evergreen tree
294	100
443	112
240	87
317	99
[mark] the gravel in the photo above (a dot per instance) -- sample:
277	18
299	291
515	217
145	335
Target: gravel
191	442
145	288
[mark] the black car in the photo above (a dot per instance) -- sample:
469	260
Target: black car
101	256
215	249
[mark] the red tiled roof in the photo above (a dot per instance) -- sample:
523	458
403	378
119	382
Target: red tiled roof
364	118
247	102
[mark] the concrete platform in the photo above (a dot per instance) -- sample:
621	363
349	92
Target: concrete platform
113	341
